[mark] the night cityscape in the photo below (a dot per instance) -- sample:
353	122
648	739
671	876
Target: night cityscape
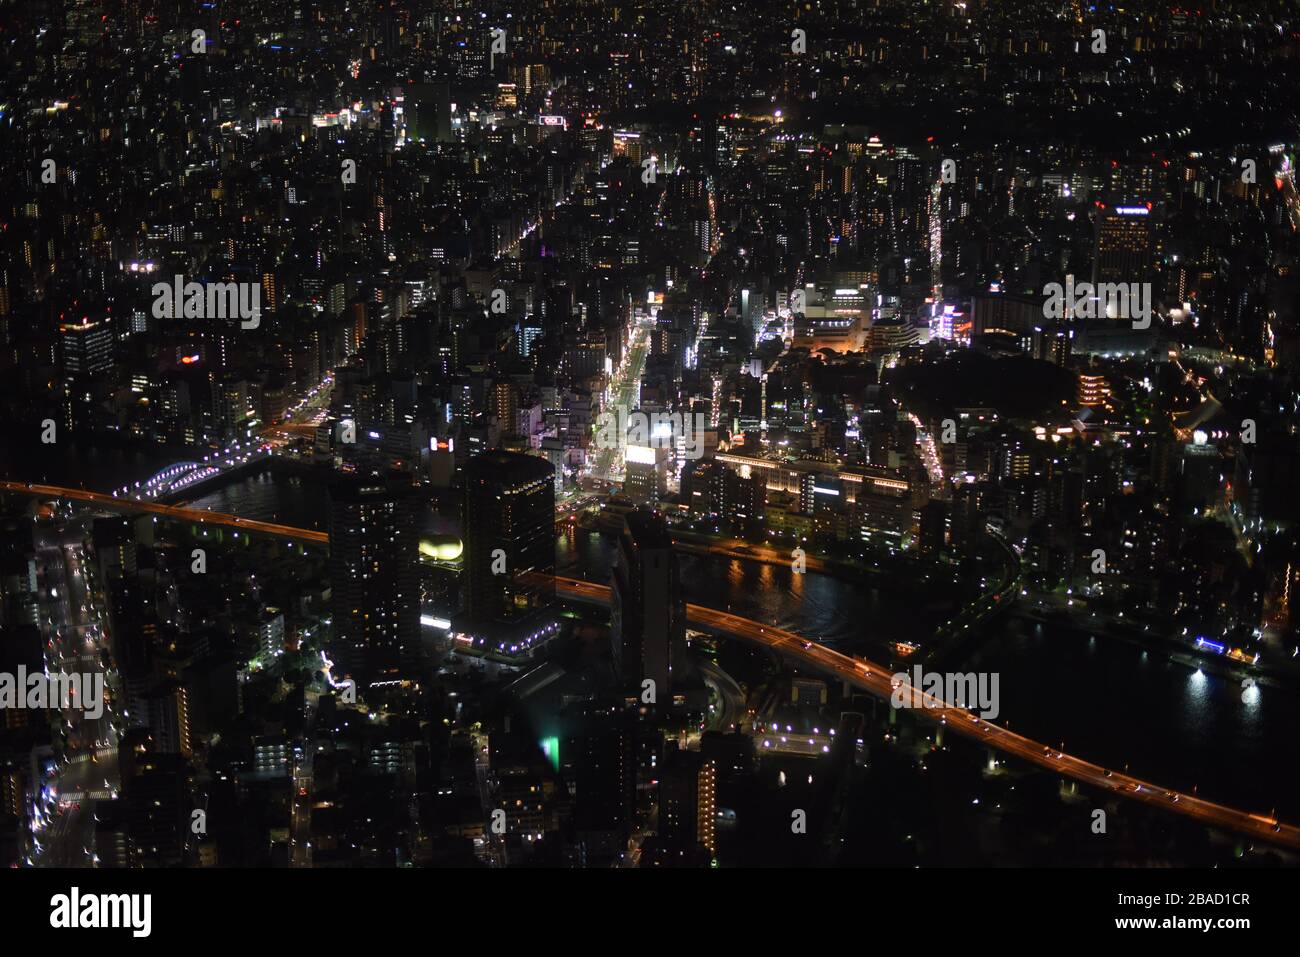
612	435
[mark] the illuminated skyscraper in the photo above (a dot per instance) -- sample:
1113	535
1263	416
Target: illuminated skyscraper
87	348
376	600
644	473
1124	244
935	211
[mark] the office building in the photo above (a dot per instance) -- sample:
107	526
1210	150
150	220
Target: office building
87	348
1124	250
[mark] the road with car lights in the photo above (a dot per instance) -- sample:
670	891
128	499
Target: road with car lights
865	675
877	680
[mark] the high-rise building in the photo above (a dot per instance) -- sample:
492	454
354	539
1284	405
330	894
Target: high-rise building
270	293
373	575
1001	312
742	501
508	521
1124	244
648	616
87	348
687	808
156	795
169	720
1052	344
702	486
934	527
428	108
599	757
644	473
115	546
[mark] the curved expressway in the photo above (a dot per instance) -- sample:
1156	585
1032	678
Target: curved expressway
870	677
878	681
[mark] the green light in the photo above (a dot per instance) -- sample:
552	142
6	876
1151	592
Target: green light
551	748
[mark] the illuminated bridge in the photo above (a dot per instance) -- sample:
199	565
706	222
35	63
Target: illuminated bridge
173	479
859	673
179	476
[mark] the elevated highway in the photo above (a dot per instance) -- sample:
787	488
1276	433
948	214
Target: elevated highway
198	516
878	681
859	673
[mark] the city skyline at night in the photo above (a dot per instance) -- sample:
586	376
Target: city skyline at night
583	434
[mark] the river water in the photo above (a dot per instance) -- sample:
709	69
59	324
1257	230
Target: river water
1106	700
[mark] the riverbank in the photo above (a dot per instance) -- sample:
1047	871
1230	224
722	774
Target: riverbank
1171	647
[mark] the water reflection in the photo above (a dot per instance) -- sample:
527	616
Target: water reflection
1114	702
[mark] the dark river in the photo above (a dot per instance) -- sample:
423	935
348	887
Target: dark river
1107	700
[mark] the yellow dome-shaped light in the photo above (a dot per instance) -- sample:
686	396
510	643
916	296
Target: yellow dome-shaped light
446	549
